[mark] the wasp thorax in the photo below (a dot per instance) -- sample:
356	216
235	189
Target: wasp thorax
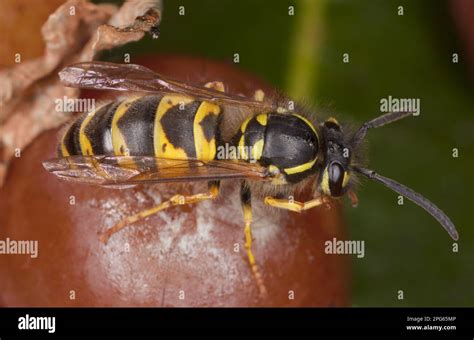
288	142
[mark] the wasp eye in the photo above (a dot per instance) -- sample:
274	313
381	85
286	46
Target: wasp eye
336	177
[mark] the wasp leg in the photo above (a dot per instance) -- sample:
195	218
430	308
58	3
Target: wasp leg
245	197
353	197
295	205
259	95
175	200
215	85
99	169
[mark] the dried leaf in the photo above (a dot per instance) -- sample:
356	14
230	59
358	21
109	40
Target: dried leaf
77	31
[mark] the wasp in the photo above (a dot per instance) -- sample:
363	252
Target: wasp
172	131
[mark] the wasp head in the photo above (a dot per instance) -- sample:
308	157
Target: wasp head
335	171
342	160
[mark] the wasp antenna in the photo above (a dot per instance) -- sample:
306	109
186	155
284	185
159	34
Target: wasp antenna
415	197
382	120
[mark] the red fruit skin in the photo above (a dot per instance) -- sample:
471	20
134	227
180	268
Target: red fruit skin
463	14
190	255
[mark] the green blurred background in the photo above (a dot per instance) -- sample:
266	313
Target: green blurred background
407	56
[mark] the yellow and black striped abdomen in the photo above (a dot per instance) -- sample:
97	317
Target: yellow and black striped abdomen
169	126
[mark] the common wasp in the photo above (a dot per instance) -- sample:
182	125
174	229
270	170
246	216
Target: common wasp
173	132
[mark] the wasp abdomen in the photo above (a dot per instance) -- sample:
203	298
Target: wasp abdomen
170	126
250	139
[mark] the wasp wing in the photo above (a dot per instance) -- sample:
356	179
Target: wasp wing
131	77
132	170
